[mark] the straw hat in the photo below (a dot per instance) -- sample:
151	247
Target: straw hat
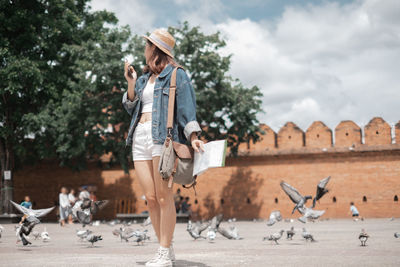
163	40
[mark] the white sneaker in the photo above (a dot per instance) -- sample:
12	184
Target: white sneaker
163	260
155	258
171	253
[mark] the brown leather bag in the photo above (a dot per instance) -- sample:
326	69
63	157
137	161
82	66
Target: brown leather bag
176	161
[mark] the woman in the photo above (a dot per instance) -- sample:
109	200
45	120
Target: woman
64	205
146	100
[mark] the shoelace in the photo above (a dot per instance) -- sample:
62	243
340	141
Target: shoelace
164	253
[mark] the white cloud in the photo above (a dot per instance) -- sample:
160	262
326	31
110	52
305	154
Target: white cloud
329	62
135	13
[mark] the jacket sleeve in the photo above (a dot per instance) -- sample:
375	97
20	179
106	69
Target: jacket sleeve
186	105
130	105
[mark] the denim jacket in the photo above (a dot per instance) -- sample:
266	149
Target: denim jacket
185	107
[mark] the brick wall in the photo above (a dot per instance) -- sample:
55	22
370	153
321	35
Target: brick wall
248	187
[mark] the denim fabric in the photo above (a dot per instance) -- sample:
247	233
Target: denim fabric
185	107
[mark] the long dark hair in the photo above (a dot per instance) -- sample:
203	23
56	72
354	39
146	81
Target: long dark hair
158	61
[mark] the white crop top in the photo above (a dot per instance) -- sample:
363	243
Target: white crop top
147	98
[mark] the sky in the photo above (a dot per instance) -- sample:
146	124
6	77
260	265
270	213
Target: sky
313	60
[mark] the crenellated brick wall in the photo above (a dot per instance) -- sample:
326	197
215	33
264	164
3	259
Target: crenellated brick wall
367	173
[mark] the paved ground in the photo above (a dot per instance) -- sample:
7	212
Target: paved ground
337	245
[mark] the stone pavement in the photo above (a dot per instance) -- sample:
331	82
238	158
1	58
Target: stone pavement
337	245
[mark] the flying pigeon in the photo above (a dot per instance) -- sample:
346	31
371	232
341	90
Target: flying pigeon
321	190
363	237
309	213
45	236
307	236
295	196
193	232
274	237
274	217
397	235
31	214
88	208
93	238
290	233
232	233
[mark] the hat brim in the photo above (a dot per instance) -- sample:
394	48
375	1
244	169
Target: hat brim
158	45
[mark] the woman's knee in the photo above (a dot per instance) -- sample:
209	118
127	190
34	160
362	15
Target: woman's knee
151	201
164	199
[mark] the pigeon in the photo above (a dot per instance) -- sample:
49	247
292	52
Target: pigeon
232	233
211	233
124	233
290	233
307	236
193	232
321	190
45	236
93	238
88	208
363	237
397	235
295	196
274	217
1	230
309	213
274	237
36	235
140	236
82	234
30	220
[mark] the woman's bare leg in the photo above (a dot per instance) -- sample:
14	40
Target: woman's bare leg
144	171
165	198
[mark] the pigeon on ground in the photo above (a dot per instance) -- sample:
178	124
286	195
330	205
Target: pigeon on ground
274	237
45	236
211	233
93	238
397	235
363	237
274	217
82	234
290	233
124	233
295	196
194	232
1	230
307	236
321	190
140	236
36	235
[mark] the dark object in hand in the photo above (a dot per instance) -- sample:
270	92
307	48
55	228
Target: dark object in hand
130	71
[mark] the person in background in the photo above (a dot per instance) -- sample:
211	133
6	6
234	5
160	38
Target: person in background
64	205
27	204
84	193
72	200
177	199
354	211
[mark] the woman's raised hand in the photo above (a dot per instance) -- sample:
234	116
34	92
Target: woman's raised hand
129	72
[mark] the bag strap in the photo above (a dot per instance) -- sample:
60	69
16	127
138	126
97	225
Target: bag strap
171	101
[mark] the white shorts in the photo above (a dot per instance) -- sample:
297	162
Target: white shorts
142	144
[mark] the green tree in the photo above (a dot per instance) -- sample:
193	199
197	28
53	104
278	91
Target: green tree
61	84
